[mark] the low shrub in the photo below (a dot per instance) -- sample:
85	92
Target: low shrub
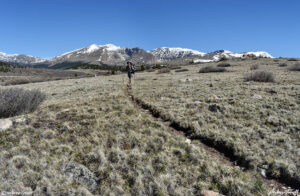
175	67
282	65
295	67
16	101
181	70
260	76
224	65
164	70
292	59
209	69
254	67
151	70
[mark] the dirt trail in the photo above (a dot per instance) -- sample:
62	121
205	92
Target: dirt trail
213	152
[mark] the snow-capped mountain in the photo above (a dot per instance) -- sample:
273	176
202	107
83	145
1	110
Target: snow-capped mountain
219	54
112	55
165	53
20	59
108	54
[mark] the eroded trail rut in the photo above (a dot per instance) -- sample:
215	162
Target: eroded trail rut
217	151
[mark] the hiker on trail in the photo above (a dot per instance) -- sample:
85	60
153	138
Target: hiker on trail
130	70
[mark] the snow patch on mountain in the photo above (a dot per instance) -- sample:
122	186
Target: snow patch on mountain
166	53
111	47
202	60
260	54
91	48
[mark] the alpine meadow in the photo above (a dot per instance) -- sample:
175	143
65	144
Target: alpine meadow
126	115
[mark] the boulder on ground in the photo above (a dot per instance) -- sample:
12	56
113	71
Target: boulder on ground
81	174
5	124
256	96
209	193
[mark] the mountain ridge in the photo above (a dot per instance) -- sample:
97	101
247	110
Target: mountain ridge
110	54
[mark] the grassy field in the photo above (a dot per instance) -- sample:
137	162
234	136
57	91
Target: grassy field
93	123
258	121
89	138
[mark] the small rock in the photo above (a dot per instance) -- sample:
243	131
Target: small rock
213	96
5	124
81	174
256	96
188	141
262	172
209	193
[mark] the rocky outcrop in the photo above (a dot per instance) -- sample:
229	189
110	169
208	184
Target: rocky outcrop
81	175
209	193
5	124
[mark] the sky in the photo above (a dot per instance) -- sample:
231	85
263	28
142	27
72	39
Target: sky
47	28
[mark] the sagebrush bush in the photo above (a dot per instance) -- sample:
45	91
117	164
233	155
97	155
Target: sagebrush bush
181	70
295	67
164	70
292	59
208	69
282	65
260	76
17	101
150	70
224	65
175	67
254	67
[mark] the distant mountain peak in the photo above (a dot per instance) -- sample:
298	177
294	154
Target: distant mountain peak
20	59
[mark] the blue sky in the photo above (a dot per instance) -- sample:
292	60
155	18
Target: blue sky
47	28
